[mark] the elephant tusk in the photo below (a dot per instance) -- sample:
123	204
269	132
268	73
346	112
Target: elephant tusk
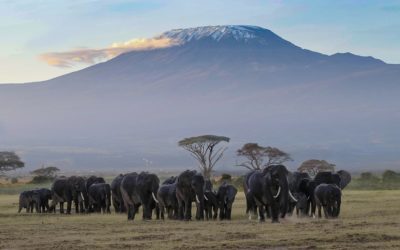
279	191
291	196
154	197
197	199
83	198
205	197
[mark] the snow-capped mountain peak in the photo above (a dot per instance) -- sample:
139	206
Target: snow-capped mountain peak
218	33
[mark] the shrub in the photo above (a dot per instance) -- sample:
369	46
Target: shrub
41	179
390	175
14	180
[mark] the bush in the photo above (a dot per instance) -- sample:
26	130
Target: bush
226	177
390	175
41	179
14	180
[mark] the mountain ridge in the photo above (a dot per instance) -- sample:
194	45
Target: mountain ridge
139	104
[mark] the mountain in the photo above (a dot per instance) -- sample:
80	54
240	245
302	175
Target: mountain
240	81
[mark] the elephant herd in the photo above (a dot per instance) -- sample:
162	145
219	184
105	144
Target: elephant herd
273	193
127	193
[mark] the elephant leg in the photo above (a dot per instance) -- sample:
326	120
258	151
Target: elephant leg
19	209
131	211
188	209
181	210
268	211
275	212
61	207
82	207
162	210
229	211
215	212
69	205
326	211
222	212
313	206
319	211
157	212
210	212
261	213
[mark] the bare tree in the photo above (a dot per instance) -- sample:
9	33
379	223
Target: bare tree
203	149
313	166
9	161
258	157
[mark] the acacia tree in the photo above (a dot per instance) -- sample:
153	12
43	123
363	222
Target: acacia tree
258	157
313	166
49	172
203	149
9	161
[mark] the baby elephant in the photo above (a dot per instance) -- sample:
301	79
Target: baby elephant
100	197
27	201
329	197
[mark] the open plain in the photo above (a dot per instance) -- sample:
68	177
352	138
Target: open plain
368	220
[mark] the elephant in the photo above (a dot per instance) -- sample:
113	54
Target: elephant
189	188
71	189
100	197
327	178
26	201
168	202
345	178
302	204
269	190
328	196
208	186
307	187
79	193
226	196
62	191
294	180
211	205
42	197
88	182
169	180
117	200
251	206
140	189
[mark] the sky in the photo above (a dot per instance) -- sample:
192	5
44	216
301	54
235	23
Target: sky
32	31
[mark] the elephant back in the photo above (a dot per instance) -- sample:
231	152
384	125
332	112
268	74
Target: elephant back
327	178
184	180
92	180
170	180
116	185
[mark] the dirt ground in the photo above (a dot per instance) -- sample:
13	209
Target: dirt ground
368	220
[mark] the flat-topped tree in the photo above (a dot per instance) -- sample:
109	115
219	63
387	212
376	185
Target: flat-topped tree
9	161
50	171
259	157
203	149
313	166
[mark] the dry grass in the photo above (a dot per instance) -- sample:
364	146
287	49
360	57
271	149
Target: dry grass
369	219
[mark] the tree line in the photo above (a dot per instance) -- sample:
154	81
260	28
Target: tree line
207	150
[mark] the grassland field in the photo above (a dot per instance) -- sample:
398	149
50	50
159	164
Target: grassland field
368	220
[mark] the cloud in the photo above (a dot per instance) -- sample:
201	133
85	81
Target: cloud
91	56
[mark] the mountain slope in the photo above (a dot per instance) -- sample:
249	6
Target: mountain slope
240	81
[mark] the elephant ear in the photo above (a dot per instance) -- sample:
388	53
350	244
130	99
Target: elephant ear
345	178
